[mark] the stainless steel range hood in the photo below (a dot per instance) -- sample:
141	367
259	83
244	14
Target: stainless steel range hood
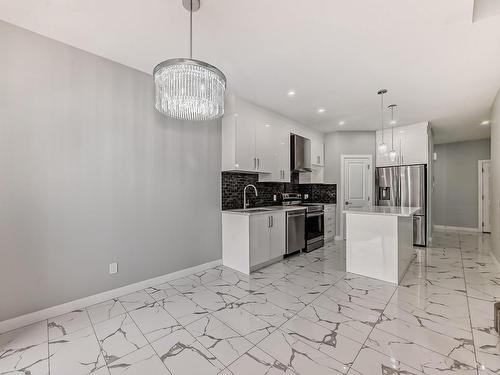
300	154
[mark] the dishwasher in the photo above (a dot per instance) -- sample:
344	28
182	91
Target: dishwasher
295	231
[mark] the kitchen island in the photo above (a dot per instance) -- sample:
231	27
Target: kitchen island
379	241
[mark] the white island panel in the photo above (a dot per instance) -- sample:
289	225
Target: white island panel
379	241
372	246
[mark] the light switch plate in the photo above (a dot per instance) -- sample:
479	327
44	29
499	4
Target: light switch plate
113	268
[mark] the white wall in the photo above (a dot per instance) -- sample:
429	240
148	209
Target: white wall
495	176
455	193
92	174
339	143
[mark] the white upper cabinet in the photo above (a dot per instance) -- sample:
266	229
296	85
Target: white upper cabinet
258	141
411	143
317	152
279	146
414	144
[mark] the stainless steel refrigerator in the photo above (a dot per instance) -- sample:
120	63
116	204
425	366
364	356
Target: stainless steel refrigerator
405	186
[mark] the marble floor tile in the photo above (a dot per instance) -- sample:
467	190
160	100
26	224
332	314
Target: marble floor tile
459	348
78	353
329	342
300	357
223	342
183	355
304	315
185	284
140	362
264	310
258	362
246	324
154	322
105	310
225	288
488	350
25	350
352	308
211	301
207	275
136	300
68	323
286	301
371	362
338	322
183	309
162	291
247	283
118	337
417	357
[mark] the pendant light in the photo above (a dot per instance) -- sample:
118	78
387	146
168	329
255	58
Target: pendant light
189	89
392	153
382	147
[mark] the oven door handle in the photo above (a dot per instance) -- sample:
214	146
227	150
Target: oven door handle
315	214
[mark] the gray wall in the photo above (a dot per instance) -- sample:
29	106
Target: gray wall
455	199
339	143
495	177
91	174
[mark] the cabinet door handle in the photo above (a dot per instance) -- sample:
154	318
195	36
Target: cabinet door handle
269	221
258	163
272	221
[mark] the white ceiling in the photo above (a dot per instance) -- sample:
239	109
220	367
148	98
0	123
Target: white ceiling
437	64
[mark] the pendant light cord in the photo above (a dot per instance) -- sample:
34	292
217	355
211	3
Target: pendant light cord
191	31
382	114
392	136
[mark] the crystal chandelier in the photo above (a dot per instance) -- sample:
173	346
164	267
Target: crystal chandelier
189	89
382	147
392	153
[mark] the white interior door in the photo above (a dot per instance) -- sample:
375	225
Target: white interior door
357	182
485	195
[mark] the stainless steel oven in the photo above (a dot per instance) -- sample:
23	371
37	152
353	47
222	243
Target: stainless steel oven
315	227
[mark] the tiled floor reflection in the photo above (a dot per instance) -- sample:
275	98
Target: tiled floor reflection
304	315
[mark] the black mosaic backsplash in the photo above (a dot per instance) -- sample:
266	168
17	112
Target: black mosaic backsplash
234	183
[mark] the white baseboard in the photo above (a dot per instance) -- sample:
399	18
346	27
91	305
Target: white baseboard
37	316
448	227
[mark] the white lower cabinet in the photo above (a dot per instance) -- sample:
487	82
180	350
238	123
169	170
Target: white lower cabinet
330	220
252	241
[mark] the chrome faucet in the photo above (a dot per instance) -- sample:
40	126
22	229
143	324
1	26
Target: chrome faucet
245	203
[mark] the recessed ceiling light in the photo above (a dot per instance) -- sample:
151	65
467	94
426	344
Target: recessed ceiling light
485	122
341	123
321	110
267	125
393	122
291	93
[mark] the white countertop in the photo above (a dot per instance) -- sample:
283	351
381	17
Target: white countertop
263	210
382	210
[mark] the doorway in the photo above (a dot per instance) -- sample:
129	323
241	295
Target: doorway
484	223
356	184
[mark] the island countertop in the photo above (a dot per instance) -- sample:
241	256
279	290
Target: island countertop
382	210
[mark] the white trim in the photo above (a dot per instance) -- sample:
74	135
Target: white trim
341	189
480	193
37	316
450	227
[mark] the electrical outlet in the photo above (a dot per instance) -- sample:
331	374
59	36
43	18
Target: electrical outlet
274	198
306	196
113	268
